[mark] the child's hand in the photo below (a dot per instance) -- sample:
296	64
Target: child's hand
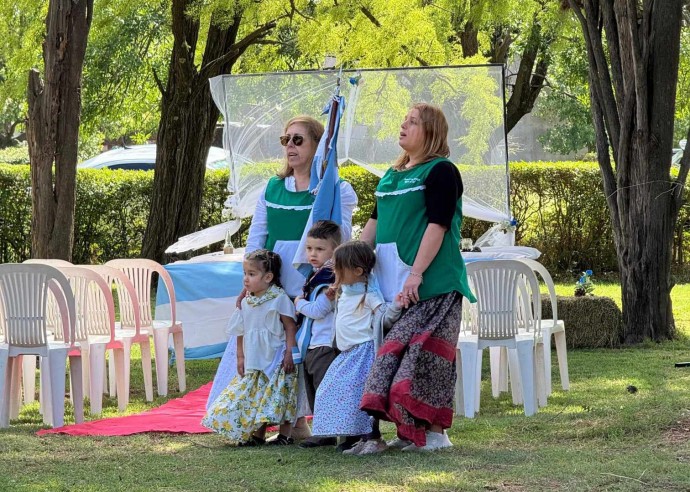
240	366
297	299
399	300
288	364
330	293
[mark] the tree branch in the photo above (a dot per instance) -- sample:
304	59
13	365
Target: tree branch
237	49
159	83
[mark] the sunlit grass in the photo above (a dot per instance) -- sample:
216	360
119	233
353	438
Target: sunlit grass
597	436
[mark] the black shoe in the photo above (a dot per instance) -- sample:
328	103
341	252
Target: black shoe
281	440
252	442
317	442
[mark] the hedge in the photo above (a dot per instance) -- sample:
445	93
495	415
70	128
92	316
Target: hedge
560	209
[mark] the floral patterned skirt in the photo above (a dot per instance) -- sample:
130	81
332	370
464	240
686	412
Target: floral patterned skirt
251	401
412	381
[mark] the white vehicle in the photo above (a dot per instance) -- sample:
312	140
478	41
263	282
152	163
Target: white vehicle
678	153
143	157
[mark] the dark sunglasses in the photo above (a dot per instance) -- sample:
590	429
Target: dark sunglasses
296	139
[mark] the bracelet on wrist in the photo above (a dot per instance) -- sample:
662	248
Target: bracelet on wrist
421	277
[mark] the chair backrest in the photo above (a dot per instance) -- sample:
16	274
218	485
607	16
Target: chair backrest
94	304
546	276
140	272
503	298
25	290
51	262
126	294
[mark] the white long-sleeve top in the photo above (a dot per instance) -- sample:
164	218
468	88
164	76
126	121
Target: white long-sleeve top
258	231
321	311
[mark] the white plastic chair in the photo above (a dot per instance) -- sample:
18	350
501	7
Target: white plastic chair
24	290
127	332
29	361
555	327
140	272
501	297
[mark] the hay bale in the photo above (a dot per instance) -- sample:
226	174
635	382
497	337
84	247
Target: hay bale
590	321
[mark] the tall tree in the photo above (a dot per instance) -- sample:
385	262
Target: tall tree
188	114
633	54
53	127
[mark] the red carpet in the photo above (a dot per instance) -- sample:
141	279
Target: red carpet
181	415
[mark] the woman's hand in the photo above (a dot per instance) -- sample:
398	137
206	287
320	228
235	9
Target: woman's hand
242	295
240	365
288	364
410	290
297	299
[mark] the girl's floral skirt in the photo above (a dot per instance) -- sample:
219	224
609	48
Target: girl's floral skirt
251	401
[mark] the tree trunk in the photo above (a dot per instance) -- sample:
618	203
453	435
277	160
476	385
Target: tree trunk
633	56
53	128
188	121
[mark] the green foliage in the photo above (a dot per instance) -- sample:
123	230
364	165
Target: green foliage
15	155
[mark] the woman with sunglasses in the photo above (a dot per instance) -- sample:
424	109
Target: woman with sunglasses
283	208
282	213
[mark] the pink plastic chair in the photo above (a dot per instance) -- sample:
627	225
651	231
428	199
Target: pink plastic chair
140	273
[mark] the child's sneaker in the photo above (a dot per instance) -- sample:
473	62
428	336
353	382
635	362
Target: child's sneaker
398	443
373	446
355	450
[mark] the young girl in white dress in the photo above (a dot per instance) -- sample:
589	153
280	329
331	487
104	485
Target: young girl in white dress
361	315
265	388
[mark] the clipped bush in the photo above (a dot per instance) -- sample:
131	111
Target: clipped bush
590	321
560	209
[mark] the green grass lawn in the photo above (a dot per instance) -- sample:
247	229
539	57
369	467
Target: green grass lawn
597	436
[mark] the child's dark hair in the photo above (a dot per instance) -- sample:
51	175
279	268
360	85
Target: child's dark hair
328	230
269	261
352	255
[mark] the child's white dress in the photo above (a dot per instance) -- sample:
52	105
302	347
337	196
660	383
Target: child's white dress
266	394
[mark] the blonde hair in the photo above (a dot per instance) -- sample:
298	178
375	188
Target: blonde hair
314	131
435	128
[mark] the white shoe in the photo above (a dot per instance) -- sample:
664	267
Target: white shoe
398	443
434	442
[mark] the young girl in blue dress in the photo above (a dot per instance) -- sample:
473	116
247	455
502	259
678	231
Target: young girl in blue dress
361	315
265	388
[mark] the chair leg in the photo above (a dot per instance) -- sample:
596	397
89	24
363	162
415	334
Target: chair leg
57	363
122	376
97	370
76	376
4	389
29	378
503	371
468	354
459	400
540	374
478	385
147	370
562	353
160	346
525	353
16	387
46	406
515	384
546	349
178	342
112	377
495	354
